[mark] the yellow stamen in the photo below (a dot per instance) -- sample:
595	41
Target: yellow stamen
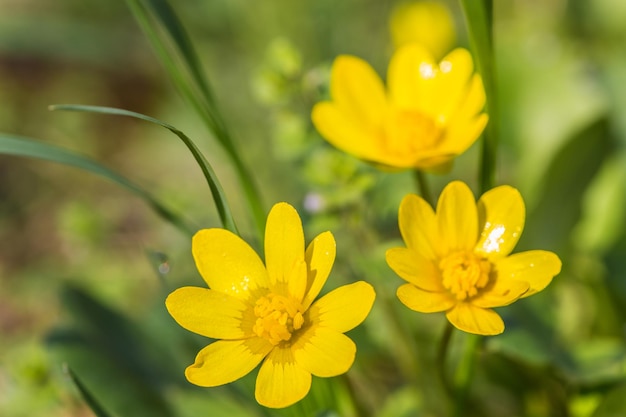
278	317
410	131
464	273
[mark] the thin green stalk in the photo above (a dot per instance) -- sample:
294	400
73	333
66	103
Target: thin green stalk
465	372
479	19
422	185
442	353
203	104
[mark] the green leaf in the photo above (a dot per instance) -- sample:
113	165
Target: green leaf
479	19
188	77
219	197
26	147
91	401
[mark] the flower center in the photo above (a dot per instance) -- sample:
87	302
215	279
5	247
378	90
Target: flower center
411	131
277	318
464	273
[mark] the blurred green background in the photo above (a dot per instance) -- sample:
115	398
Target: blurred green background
85	266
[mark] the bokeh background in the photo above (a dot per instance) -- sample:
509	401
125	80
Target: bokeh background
85	265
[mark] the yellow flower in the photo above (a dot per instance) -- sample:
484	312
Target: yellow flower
268	313
427	22
458	258
430	114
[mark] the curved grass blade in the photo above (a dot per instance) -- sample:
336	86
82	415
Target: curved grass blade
479	19
25	147
219	197
93	404
156	17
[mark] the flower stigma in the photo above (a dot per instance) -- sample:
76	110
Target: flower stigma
277	318
464	273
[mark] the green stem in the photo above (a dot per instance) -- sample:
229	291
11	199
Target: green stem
479	18
422	185
465	372
442	353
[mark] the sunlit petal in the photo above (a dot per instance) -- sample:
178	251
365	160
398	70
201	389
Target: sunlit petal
207	312
281	380
536	267
457	217
415	269
500	292
343	308
472	319
344	132
424	301
418	226
284	242
320	256
226	361
324	352
358	90
453	81
501	215
227	263
410	77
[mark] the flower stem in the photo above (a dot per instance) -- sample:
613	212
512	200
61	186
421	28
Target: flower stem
442	351
464	373
422	185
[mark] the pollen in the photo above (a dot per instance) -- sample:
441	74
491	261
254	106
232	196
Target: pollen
277	318
464	274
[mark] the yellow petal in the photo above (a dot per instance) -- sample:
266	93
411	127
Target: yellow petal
424	301
473	102
501	215
281	380
324	352
320	256
537	267
344	132
415	269
453	82
226	361
457	217
462	134
227	263
410	78
207	312
472	319
343	308
358	90
427	22
284	243
500	292
418	226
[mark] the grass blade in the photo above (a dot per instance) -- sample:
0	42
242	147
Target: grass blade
93	404
156	17
219	197
25	147
479	18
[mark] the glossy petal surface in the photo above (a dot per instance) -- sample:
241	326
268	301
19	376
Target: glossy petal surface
457	217
281	380
324	352
225	361
343	308
500	292
227	263
418	226
284	242
472	319
320	256
536	267
415	269
424	301
207	312
501	214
